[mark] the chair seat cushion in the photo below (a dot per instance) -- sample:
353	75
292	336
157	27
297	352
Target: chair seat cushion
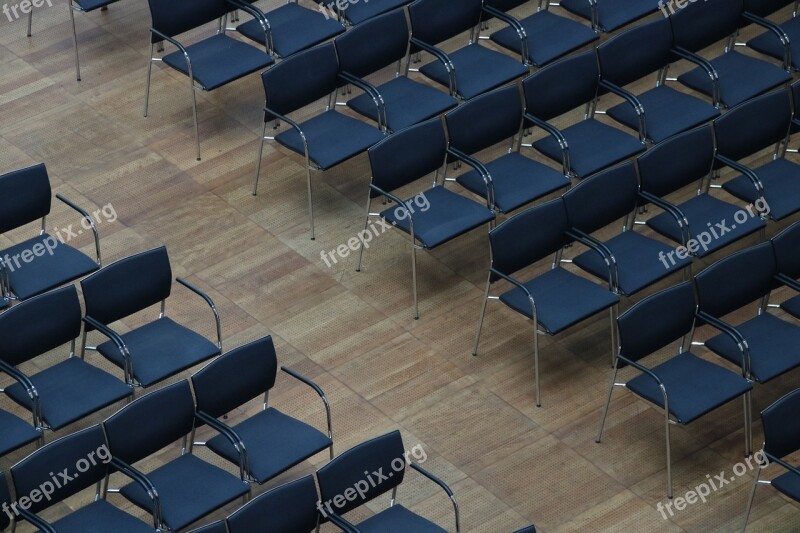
357	12
613	14
16	433
550	37
294	28
667	112
219	60
767	43
700	211
694	386
398	519
792	306
741	77
332	138
788	484
160	349
593	146
562	299
275	442
517	181
70	390
91	5
46	271
781	180
407	102
188	488
448	216
774	346
101	517
638	258
478	69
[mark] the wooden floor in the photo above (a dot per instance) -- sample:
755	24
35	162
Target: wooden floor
509	463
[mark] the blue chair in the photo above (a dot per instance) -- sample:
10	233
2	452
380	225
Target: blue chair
764	346
731	78
16	434
273	441
350	469
774	187
326	139
430	218
156	350
781	438
188	488
787	255
555	300
639	52
631	260
678	163
67	391
358	11
540	38
512	180
610	15
86	459
782	44
372	46
47	263
288	29
471	70
208	64
588	146
685	386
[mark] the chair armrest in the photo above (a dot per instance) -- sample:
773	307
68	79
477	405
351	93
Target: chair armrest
400	204
30	388
633	101
444	58
605	253
734	334
705	65
340	522
260	16
784	464
44	527
118	342
673	210
519	285
789	282
482	170
274	114
143	481
380	104
559	137
752	176
444	486
210	303
233	438
775	30
318	390
179	46
650	373
88	217
514	23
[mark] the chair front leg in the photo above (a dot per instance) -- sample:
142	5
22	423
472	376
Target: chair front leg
482	315
608	403
260	155
74	39
366	223
149	73
751	498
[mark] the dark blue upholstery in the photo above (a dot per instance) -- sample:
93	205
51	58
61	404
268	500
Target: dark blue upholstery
25	196
219	526
788	484
768	43
293	28
792	306
787	251
782	425
91	5
5	499
781	181
290	507
612	14
398	519
550	36
358	12
16	434
101	517
173	17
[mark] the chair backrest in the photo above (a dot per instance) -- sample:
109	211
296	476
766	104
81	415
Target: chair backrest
782	425
220	526
5	500
499	114
754	125
787	250
127	286
236	377
25	196
702	24
290	507
603	198
505	5
301	79
562	86
355	470
83	456
678	161
762	8
39	325
408	155
529	236
173	17
737	280
373	44
151	422
640	335
434	21
637	52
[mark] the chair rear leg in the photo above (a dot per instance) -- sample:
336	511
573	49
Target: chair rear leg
30	21
414	278
258	161
310	197
608	404
480	318
751	498
748	424
366	223
669	457
194	117
147	86
536	363
74	40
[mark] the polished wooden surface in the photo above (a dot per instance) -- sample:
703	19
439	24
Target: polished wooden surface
508	462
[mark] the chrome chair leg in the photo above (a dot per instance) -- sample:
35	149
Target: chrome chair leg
480	318
751	498
258	161
608	404
30	21
75	41
669	458
310	198
366	223
613	312
414	278
536	363
194	116
149	75
748	423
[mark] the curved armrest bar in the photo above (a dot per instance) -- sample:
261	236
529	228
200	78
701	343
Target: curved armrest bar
705	65
210	303
144	482
633	101
514	23
318	390
775	30
444	58
118	342
734	334
650	373
519	285
88	217
44	527
260	16
558	136
444	486
482	170
789	282
233	438
270	113
400	204
30	388
796	122
341	523
784	464
752	176
605	253
673	210
377	99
